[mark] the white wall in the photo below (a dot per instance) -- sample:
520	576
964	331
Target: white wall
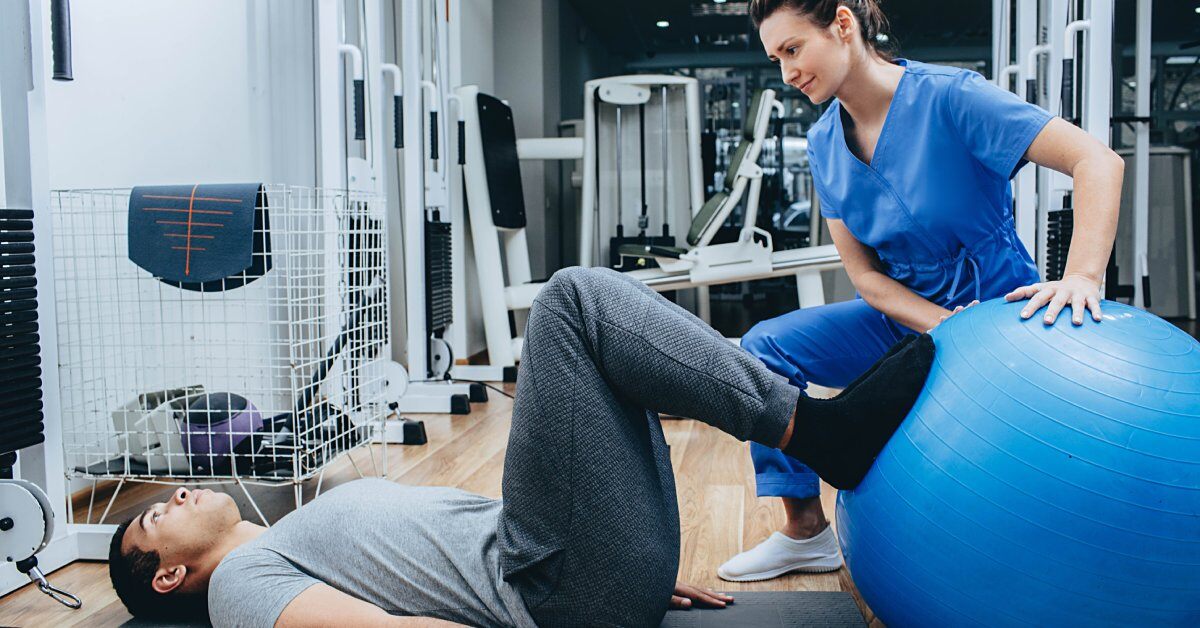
184	91
477	54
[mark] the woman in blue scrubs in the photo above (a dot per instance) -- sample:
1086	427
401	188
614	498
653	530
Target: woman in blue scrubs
911	163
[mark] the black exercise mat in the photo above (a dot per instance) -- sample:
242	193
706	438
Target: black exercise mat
773	609
752	609
146	623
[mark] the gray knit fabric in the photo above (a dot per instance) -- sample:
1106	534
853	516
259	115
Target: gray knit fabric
589	531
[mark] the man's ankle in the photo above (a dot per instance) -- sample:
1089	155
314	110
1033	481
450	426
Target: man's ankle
804	530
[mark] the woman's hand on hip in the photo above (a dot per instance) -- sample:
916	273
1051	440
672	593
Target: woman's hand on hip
1078	291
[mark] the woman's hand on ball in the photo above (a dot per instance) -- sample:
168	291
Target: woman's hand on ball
1079	291
952	313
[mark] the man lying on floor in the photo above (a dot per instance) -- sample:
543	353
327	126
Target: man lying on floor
587	532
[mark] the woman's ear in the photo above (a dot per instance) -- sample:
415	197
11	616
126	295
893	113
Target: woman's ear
845	23
169	579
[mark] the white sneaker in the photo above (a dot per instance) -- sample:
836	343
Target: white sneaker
781	554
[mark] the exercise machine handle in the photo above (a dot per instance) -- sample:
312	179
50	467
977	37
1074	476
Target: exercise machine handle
1068	75
60	40
360	117
660	251
433	135
462	142
1068	90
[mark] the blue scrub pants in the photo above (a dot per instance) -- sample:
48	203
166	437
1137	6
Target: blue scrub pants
829	346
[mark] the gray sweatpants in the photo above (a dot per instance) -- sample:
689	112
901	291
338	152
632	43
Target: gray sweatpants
589	532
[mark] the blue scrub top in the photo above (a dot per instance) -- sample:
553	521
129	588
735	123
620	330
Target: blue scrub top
935	203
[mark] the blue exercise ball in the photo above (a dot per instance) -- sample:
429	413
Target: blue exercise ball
1047	475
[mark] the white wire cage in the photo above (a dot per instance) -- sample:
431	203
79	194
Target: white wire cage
264	378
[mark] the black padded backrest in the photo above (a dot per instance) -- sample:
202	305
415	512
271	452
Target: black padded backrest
499	137
735	164
751	116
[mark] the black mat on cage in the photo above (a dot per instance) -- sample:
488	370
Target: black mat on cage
753	609
204	238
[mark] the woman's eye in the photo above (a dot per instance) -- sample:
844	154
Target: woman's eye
791	50
156	516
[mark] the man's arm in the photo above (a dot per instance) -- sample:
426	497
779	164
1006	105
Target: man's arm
322	605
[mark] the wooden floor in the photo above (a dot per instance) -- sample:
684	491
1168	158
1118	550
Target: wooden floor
720	515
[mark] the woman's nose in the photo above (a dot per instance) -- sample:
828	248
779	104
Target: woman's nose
181	495
790	74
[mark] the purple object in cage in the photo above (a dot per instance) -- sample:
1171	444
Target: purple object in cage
215	423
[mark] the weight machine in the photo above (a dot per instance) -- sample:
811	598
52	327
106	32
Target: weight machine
1062	62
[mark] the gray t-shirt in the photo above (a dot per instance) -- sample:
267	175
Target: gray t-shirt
409	550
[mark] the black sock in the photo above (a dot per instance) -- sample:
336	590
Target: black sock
900	344
839	438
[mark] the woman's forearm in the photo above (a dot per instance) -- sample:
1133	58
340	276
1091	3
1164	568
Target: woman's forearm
897	301
1097	201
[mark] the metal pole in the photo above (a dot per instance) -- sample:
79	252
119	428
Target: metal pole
1141	174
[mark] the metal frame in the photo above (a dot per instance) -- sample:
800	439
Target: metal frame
1025	186
25	183
1141	173
1047	187
426	186
589	210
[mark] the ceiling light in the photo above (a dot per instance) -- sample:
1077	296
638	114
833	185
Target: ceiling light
662	23
723	2
1197	9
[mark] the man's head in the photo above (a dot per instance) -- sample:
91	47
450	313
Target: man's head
160	561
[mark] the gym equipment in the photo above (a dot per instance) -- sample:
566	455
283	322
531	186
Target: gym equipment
204	238
20	348
26	514
773	609
1069	79
603	209
427	214
1047	475
213	425
112	333
752	251
26	528
356	76
618	96
1171	263
1136	256
493	199
147	428
292	364
60	40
